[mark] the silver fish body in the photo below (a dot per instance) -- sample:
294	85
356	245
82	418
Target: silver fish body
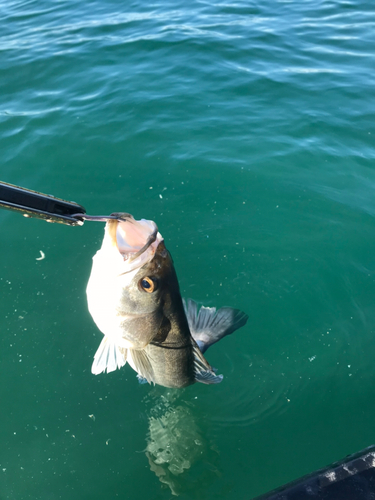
134	298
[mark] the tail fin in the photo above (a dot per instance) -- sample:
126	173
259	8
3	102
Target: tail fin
108	357
208	326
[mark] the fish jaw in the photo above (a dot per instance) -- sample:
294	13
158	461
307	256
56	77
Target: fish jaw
135	242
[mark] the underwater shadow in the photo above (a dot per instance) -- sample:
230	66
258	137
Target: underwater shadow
178	450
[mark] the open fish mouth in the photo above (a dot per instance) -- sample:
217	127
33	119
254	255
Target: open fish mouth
133	238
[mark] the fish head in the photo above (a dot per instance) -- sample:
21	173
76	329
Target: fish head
130	280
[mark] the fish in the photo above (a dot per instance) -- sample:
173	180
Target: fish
134	298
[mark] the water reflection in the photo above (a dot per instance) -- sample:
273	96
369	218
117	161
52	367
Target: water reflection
178	449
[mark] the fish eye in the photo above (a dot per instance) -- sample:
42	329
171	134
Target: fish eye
147	284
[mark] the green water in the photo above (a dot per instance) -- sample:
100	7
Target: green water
246	132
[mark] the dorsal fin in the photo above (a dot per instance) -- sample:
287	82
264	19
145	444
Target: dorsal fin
209	325
203	372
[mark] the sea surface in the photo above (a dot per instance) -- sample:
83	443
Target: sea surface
245	130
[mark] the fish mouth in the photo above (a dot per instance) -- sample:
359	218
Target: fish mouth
136	240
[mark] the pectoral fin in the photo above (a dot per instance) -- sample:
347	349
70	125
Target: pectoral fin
108	357
203	372
139	361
